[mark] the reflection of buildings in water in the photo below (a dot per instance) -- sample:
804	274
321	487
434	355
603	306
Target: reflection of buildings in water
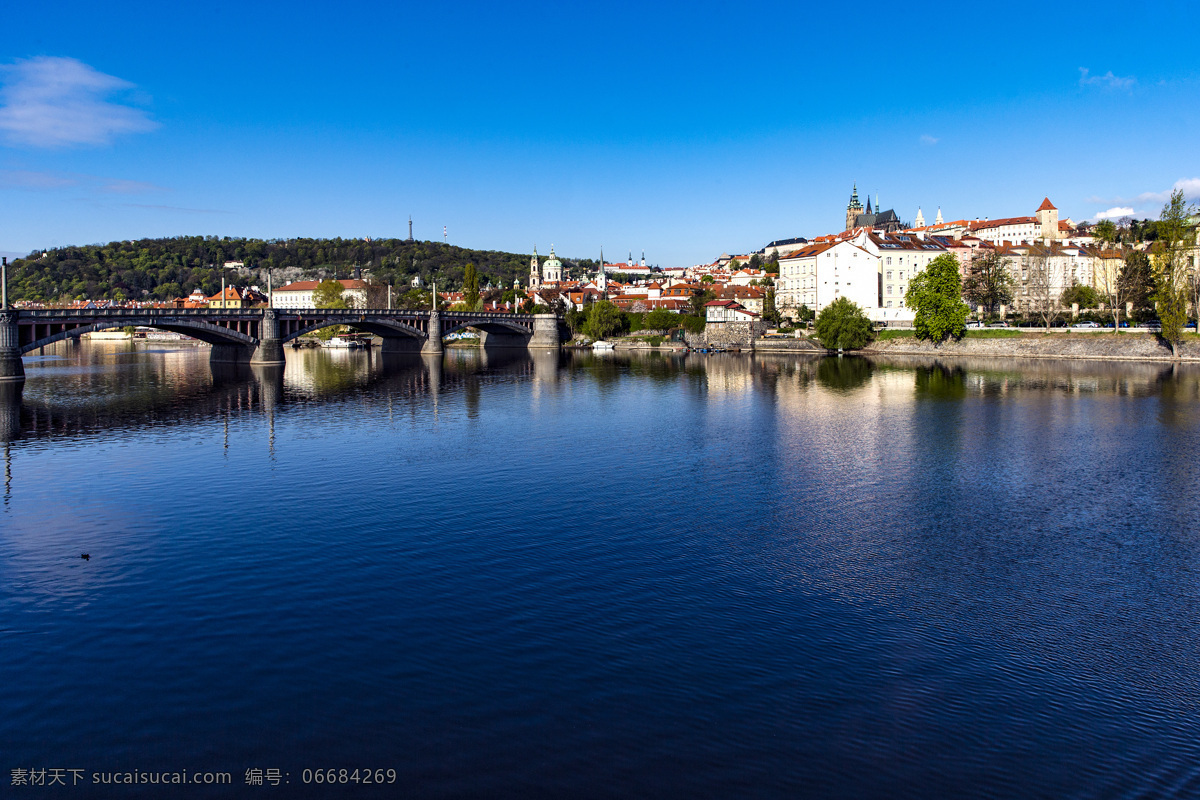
1002	376
727	376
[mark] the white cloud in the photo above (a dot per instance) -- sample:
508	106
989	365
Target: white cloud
926	139
1116	212
1149	204
49	181
1190	187
28	179
1107	80
60	102
129	187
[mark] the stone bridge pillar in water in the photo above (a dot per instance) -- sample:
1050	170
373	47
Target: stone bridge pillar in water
11	368
545	332
433	344
270	348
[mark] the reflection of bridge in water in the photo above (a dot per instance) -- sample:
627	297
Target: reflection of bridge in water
104	403
258	336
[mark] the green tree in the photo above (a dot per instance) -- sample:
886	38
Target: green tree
1171	257
770	312
660	319
701	299
1085	296
603	318
1136	281
842	325
936	295
1105	231
576	319
470	286
328	294
989	281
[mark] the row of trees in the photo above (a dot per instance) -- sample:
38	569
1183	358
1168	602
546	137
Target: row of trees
603	318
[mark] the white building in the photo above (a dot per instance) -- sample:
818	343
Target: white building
719	311
300	294
817	275
901	257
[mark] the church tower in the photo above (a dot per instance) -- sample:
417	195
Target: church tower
1047	217
919	222
553	268
535	271
602	277
853	209
938	220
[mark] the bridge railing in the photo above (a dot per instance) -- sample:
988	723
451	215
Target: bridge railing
44	313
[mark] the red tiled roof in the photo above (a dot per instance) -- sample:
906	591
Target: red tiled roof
308	286
1047	205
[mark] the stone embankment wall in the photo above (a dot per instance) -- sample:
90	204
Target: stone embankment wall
1124	346
730	335
781	345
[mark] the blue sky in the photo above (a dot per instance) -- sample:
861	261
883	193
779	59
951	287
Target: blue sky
684	130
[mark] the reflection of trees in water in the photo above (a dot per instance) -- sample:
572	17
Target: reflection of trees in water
941	382
843	373
999	376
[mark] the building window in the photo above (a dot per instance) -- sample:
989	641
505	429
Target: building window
889	303
889	274
889	288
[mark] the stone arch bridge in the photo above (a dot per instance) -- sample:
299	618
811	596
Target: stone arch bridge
258	335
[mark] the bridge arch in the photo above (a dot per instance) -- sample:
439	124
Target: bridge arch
204	331
388	329
489	326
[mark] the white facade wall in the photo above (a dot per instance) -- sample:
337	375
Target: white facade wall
303	299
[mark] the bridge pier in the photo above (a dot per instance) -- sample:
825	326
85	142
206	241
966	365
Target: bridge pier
231	354
545	332
11	367
270	348
433	344
401	344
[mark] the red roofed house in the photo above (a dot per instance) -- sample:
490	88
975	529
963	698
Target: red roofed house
722	311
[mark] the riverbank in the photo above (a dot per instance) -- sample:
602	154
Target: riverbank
1101	346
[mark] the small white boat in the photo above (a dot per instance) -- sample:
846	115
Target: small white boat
344	341
602	345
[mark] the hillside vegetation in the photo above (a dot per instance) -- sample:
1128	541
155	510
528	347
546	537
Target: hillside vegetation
161	269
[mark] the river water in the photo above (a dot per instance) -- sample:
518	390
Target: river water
602	576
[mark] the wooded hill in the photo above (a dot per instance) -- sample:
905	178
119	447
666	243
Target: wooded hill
166	268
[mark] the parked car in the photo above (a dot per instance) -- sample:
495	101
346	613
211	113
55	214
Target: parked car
1086	325
974	324
1152	325
997	324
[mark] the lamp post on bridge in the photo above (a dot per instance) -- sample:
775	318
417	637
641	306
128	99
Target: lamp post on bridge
4	281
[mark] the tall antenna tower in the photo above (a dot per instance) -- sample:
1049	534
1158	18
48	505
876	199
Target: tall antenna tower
410	227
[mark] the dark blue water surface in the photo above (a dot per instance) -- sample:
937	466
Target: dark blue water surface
579	576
